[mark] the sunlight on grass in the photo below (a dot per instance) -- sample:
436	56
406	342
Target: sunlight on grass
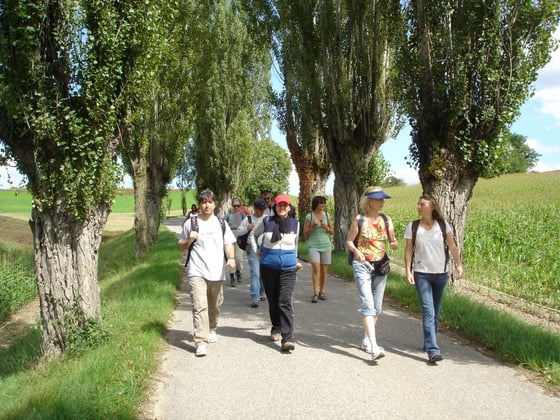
108	381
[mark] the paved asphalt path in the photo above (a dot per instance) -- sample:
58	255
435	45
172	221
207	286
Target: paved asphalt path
327	376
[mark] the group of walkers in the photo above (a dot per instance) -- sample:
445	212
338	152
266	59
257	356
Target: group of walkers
272	245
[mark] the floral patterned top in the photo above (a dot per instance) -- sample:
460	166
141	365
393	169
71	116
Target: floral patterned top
372	239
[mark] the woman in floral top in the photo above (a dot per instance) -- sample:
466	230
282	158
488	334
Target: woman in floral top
370	247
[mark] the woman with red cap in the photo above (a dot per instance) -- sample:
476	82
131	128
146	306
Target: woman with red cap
278	266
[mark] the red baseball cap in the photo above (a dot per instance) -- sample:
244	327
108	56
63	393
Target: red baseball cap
283	198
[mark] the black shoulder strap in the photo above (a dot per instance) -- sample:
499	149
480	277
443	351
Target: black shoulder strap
441	223
415	225
194	223
194	228
222	224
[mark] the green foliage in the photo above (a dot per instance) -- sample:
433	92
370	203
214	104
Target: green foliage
377	170
58	97
230	77
519	156
83	333
392	181
270	170
464	89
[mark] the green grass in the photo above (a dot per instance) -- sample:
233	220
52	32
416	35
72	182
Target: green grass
19	201
108	381
17	279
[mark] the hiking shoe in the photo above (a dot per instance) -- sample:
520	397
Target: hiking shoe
275	337
379	354
288	346
366	345
435	358
201	350
212	336
255	304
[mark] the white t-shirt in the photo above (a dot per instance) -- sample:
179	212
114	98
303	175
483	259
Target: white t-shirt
207	255
429	251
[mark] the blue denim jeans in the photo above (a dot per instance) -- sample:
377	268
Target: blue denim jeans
256	289
430	289
371	288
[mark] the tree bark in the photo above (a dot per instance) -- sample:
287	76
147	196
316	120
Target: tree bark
148	187
452	186
66	261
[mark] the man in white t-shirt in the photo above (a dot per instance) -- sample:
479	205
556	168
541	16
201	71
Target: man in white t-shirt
210	238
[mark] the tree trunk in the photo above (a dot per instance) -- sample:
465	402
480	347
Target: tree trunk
141	219
66	259
347	198
452	189
147	199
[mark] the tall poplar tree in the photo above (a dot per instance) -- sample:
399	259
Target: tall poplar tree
60	78
467	67
230	80
354	50
154	108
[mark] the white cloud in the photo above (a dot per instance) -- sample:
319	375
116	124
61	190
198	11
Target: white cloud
10	177
542	149
547	86
545	167
408	175
550	102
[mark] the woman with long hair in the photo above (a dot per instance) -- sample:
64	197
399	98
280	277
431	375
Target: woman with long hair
427	243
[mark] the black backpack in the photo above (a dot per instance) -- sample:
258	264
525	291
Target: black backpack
194	228
360	224
242	240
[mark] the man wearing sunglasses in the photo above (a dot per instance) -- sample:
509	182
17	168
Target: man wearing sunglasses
266	195
234	219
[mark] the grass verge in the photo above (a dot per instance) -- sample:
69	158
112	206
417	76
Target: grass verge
109	381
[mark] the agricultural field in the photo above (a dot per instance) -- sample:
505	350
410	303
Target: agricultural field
512	235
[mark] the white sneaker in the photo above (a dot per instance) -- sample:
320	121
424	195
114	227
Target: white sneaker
366	345
201	350
212	337
379	354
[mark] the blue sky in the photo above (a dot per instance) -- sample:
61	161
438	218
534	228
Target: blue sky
539	122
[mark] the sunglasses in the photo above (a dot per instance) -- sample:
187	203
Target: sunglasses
236	206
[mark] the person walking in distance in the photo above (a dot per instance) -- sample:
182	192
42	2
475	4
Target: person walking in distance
256	288
428	242
266	195
234	219
208	239
317	228
368	234
279	265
